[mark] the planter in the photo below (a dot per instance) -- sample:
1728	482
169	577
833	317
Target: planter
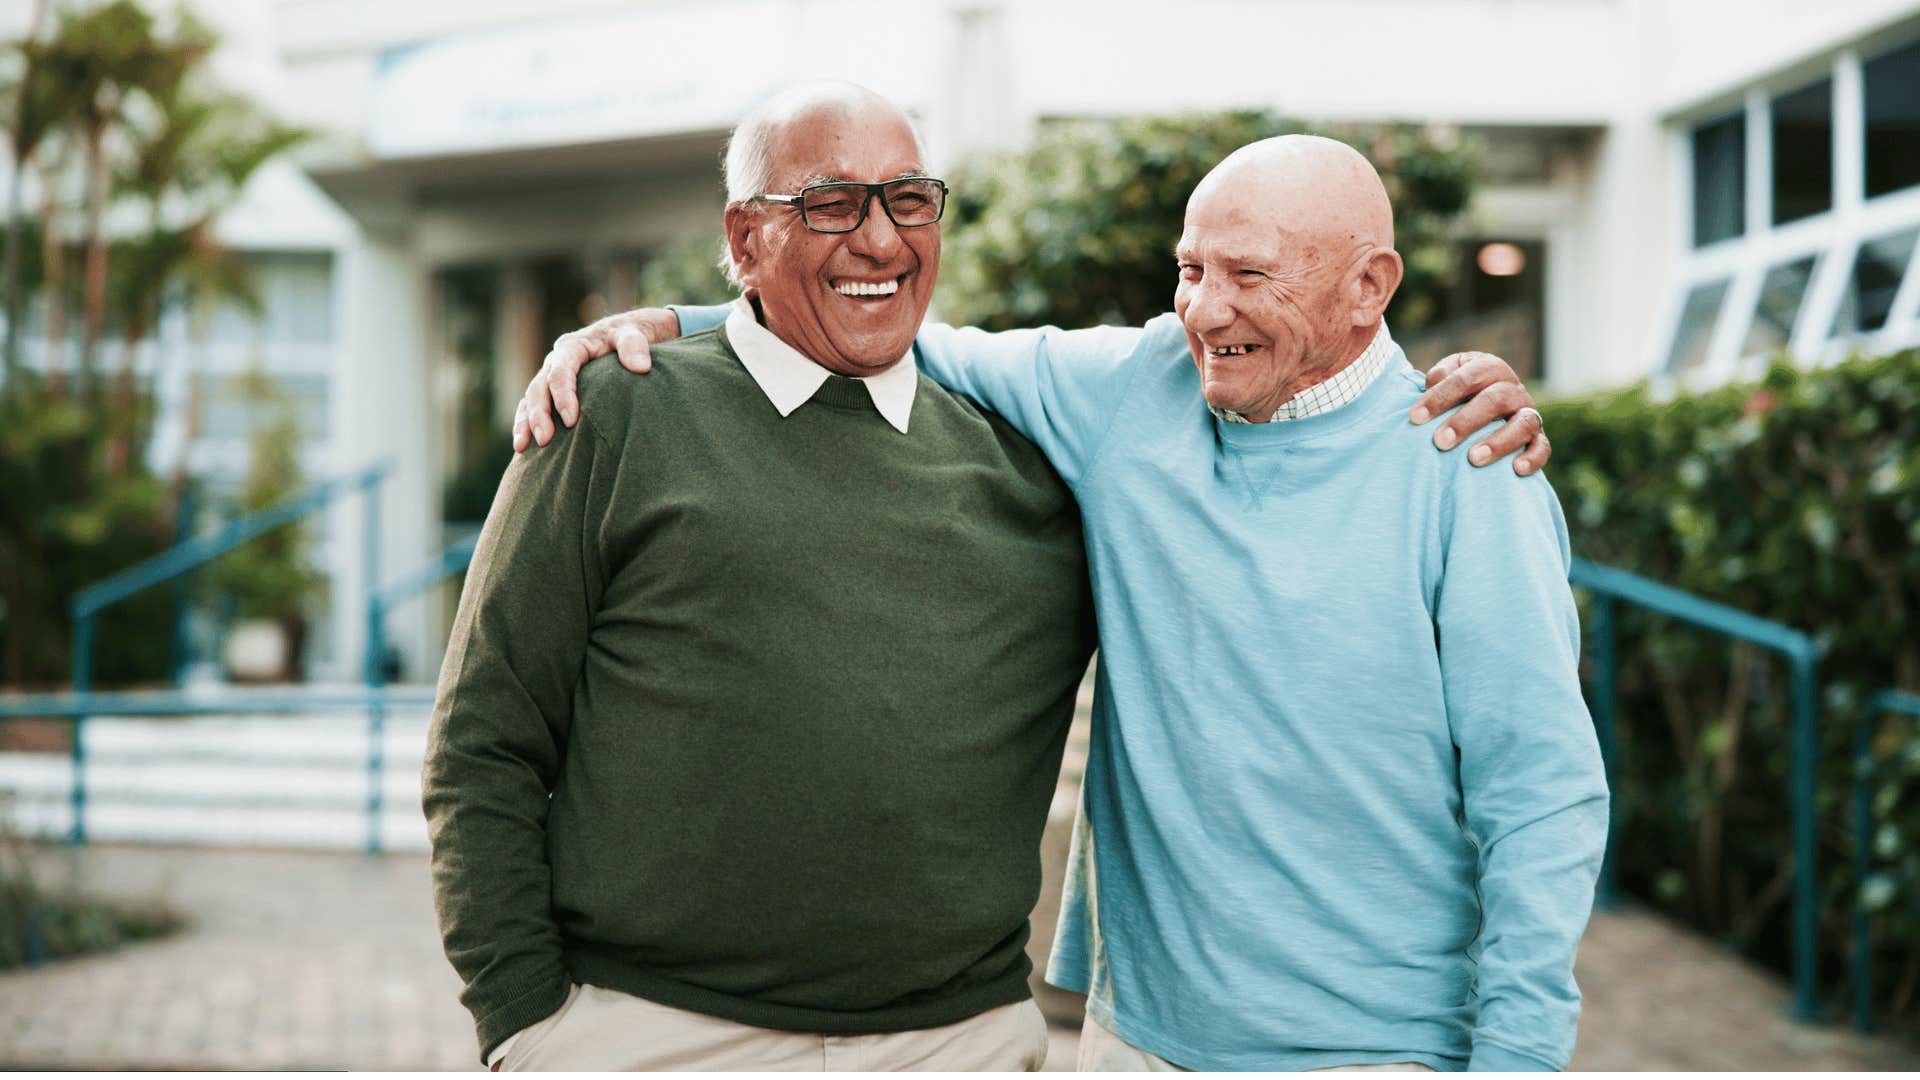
264	650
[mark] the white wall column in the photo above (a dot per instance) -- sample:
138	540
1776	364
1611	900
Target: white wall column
382	412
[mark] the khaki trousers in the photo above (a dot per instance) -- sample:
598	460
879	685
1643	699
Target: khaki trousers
1103	1051
599	1029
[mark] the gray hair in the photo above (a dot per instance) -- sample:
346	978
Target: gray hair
746	169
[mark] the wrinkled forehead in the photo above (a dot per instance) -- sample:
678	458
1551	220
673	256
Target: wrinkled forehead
861	146
1250	224
1238	242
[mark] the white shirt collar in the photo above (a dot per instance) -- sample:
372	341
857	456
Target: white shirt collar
790	379
1346	384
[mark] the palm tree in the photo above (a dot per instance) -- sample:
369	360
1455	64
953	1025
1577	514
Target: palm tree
39	105
107	55
196	154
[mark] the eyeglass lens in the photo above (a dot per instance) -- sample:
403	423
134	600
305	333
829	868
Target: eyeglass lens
841	207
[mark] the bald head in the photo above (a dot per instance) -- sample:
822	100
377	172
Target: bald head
1286	266
1307	186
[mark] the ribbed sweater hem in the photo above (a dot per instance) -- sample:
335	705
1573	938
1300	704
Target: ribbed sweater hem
597	970
519	1013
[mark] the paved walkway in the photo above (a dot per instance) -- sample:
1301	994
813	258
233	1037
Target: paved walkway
328	961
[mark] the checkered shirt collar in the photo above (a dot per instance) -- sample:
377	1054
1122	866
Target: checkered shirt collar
1346	384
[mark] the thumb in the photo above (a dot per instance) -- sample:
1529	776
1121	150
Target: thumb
635	355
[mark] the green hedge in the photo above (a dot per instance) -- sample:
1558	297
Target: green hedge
1797	499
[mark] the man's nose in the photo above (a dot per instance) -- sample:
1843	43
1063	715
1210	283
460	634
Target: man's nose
877	238
1208	307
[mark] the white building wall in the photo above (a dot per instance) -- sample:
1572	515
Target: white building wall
980	73
381	413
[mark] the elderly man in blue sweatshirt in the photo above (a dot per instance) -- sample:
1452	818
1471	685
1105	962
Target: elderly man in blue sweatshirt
1344	805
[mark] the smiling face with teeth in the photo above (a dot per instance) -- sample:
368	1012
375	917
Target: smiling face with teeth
851	302
1286	264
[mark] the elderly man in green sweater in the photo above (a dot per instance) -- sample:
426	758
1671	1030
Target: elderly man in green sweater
758	690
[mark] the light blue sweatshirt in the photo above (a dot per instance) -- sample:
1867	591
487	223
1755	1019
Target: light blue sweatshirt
1343	802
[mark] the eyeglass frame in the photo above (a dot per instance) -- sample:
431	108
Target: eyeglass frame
873	192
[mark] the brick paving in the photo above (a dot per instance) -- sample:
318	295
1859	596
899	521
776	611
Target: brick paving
318	961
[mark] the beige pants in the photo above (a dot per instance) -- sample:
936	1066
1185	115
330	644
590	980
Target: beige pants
600	1029
1103	1051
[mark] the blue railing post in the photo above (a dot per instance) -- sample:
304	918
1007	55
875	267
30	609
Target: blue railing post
1606	675
375	670
82	685
376	679
182	585
1862	844
1806	887
1804	654
452	559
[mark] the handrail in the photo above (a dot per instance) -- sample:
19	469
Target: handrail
451	560
189	554
184	557
1864	760
1610	585
191	703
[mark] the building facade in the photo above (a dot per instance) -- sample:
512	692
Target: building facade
1678	190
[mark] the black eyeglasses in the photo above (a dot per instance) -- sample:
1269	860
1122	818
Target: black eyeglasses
838	207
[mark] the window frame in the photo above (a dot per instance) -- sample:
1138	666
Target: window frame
1833	237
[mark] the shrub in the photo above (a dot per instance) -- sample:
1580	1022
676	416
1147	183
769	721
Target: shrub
1796	499
1079	229
39	925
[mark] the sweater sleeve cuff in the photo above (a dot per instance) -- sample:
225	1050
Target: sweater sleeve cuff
1492	1057
524	1011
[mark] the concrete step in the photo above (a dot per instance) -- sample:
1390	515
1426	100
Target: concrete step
221	783
239	781
323	738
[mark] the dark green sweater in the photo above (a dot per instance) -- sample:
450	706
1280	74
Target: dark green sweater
797	687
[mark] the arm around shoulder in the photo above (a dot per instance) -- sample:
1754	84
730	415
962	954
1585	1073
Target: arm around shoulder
1060	388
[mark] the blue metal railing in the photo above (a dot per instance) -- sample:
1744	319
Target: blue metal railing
1610	586
1864	762
182	558
452	559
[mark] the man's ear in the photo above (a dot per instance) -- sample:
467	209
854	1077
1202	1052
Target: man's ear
1379	277
742	243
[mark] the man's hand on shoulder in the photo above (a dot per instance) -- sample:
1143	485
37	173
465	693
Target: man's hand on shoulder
555	387
1492	391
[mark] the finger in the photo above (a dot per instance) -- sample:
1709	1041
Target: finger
520	434
562	383
539	409
1496	402
1475	373
630	342
1462	382
1445	367
1515	435
1536	456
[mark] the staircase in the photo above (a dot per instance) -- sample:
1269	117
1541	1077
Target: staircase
236	780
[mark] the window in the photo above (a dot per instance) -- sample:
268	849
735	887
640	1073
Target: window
1697	318
295	290
1781	293
1803	152
1891	84
228	413
1719	179
1834	261
1877	270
